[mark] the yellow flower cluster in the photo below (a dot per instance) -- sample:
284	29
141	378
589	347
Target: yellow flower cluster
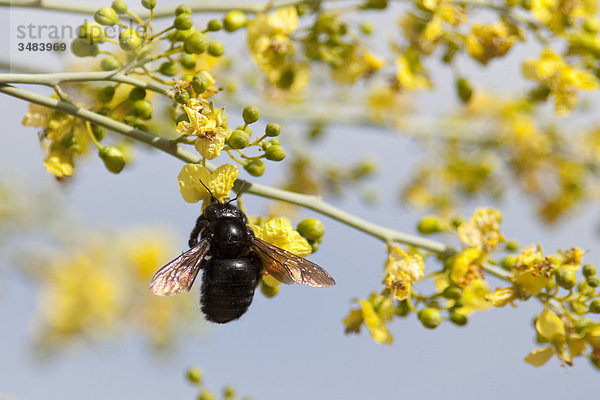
557	15
401	271
486	42
207	124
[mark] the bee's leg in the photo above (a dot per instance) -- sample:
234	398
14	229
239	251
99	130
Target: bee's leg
201	223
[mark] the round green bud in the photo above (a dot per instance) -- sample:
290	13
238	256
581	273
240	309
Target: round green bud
452	292
183	9
206	395
183	21
591	25
565	278
265	144
180	35
82	48
68	141
235	20
430	317
595	306
286	79
194	375
588	270
214	25
137	93
196	43
149	4
268	291
200	83
216	49
92	32
98	131
129	40
464	90
255	167
272	129
109	64
311	229
168	68
526	4
142	109
275	142
581	324
113	158
106	16
508	262
246	128
512	245
314	245
429	225
239	139
250	114
182	96
593	281
275	153
584	288
187	60
228	391
119	6
106	94
366	28
578	307
458	318
402	309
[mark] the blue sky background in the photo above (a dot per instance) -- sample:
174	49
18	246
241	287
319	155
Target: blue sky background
291	347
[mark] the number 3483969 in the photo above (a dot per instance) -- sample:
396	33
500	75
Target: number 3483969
42	46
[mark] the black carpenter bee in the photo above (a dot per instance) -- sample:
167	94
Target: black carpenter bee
233	260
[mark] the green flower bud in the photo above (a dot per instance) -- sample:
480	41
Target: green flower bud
142	109
187	60
508	262
180	36
200	83
149	4
98	131
113	158
255	167
565	278
458	318
402	309
194	375
92	32
182	96
272	129
106	94
591	25
539	93
82	48
216	49
239	139
311	229
168	68
512	245
581	324
137	93
250	114
206	395
588	270
275	153
246	129
109	64
196	43
286	79
595	306
235	20
578	307
593	281
119	6
228	391
429	225
430	317
129	40
268	291
183	9
464	90
526	4
275	142
584	288
452	292
106	16
265	145
314	245
214	25
183	21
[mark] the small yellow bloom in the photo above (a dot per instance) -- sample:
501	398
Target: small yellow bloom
401	271
375	324
532	271
410	74
220	182
210	135
60	164
483	229
551	328
501	297
359	63
475	297
466	266
486	42
279	231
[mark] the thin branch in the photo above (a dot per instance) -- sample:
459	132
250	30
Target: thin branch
311	202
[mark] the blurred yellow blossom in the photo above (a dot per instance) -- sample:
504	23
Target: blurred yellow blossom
401	271
279	231
559	14
220	182
475	297
410	74
532	271
483	229
374	313
359	63
486	42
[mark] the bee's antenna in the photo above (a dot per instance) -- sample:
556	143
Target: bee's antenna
244	184
212	196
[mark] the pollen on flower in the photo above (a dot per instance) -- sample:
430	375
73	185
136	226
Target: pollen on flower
402	270
220	182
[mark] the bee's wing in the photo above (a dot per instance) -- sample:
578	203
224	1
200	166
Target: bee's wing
179	275
289	268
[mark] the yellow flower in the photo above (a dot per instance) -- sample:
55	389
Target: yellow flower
502	297
145	252
210	134
562	79
555	13
374	313
483	229
60	164
532	271
359	63
385	105
410	74
279	231
219	182
475	297
37	116
401	271
486	42
551	328
375	324
466	266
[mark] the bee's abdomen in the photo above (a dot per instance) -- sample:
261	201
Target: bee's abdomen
228	288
